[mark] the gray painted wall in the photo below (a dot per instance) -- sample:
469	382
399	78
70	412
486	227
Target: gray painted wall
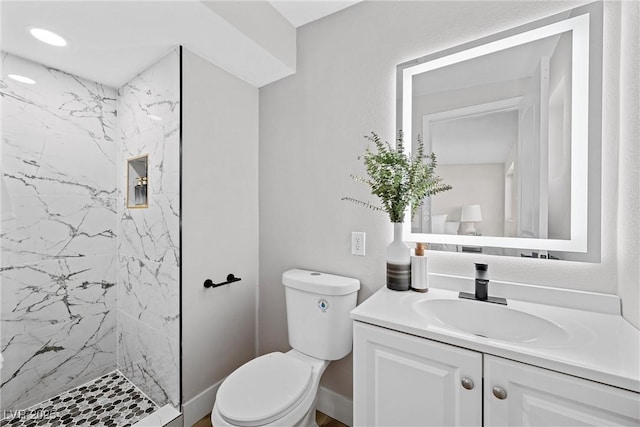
629	161
311	128
219	226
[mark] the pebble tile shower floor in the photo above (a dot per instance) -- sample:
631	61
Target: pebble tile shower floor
108	401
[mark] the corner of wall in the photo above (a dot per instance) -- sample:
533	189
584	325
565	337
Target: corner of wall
629	164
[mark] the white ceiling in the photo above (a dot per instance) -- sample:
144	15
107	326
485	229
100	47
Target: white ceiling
112	41
302	12
478	139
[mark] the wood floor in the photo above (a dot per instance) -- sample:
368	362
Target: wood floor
322	420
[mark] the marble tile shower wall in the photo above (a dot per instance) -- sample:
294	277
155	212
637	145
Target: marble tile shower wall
148	239
58	232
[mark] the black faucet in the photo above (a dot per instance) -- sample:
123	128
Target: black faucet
482	287
482	282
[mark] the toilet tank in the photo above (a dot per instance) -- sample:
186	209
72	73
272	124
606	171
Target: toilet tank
318	306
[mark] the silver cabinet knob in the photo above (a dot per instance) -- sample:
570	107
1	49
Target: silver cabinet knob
499	392
467	383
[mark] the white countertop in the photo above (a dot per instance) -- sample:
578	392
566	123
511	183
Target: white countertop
602	347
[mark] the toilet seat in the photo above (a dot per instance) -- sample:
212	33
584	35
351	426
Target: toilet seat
264	390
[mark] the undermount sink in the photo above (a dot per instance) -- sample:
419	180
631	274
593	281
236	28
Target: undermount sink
489	320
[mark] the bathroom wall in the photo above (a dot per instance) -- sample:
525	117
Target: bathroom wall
311	128
149	238
58	232
220	229
628	243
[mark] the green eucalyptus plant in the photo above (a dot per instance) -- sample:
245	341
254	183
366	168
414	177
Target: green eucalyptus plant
399	180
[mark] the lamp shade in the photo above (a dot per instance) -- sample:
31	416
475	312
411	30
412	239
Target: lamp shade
471	213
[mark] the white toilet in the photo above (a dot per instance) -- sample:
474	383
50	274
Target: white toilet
280	389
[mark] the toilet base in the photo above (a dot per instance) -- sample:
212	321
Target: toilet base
309	419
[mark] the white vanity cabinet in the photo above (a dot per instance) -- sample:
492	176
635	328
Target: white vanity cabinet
405	380
517	394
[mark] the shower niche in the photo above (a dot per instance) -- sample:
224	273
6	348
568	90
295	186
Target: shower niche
138	184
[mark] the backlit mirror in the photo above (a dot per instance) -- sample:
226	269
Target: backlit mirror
512	119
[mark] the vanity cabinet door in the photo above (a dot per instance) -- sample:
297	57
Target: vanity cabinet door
517	394
403	380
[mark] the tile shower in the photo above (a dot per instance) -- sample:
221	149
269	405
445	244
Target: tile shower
89	288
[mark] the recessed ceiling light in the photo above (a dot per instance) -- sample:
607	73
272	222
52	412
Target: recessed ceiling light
48	37
21	79
154	117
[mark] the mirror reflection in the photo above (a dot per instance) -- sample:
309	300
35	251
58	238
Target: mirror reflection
500	125
515	122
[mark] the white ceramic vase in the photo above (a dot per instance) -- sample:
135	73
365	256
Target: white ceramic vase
398	261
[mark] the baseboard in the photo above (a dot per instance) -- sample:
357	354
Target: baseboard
335	405
167	416
201	405
330	403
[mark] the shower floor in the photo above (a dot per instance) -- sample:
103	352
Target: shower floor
108	401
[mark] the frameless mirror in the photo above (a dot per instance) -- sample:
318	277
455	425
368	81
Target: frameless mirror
512	119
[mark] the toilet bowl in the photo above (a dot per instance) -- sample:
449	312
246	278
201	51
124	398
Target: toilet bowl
280	389
277	389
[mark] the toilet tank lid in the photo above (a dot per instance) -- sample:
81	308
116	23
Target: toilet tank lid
320	283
